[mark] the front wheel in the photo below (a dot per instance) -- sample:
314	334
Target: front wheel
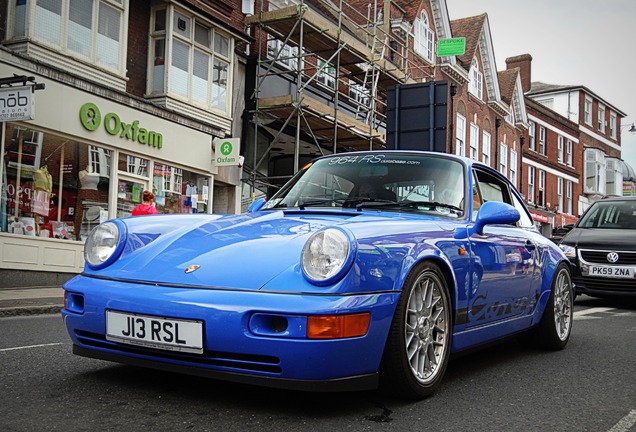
418	346
555	327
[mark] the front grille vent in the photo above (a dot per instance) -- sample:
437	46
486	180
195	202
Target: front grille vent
600	257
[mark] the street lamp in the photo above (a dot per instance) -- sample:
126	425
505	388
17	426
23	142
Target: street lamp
632	128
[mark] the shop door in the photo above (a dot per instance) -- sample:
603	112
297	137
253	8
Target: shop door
129	193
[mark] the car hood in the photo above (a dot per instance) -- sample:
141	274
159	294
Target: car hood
596	238
241	251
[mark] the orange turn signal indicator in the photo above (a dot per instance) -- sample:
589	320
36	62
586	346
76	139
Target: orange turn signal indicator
338	326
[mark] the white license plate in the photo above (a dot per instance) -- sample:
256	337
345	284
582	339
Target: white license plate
155	332
611	272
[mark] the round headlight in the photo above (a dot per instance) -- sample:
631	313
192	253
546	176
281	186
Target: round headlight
325	255
101	245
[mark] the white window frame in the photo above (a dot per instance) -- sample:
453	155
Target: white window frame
22	22
569	197
612	124
218	51
284	55
594	171
587	111
460	135
561	149
325	73
475	85
474	141
560	194
542	140
542	197
424	38
485	148
569	153
601	118
359	93
503	159
531	181
532	131
513	168
99	160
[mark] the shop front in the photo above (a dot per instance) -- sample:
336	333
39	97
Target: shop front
85	159
543	220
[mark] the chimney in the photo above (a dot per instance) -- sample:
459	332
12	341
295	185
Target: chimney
524	63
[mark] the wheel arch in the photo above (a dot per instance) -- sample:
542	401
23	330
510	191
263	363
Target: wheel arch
443	263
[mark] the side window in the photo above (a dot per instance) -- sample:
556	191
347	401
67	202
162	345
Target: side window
495	189
492	188
477	201
524	221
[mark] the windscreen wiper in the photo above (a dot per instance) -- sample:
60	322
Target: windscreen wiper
408	204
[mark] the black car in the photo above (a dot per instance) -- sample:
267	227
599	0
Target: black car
602	248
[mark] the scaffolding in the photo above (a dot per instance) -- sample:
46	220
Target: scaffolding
342	62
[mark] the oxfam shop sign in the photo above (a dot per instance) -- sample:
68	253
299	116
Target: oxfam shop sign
92	119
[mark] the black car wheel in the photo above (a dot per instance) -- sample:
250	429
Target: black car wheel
418	346
555	327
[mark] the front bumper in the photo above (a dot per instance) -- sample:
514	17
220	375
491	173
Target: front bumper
599	286
232	351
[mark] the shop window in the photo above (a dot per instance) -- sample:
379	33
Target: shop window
179	191
52	186
199	66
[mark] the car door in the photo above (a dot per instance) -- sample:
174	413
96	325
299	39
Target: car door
503	259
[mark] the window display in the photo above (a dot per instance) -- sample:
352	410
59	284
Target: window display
59	188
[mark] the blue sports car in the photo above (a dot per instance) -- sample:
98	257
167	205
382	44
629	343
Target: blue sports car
366	269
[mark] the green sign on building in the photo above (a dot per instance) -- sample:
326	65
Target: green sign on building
451	47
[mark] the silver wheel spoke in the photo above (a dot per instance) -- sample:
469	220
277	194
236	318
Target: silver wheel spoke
426	328
562	305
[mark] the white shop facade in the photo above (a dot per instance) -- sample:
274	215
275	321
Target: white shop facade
85	158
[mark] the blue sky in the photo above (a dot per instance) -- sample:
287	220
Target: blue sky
574	42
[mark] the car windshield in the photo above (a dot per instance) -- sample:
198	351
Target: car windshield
394	182
610	215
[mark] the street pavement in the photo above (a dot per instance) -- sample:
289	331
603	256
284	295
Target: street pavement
31	301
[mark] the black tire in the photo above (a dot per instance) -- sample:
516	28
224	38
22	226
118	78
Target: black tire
422	327
553	332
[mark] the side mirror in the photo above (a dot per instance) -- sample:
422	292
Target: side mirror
256	205
495	213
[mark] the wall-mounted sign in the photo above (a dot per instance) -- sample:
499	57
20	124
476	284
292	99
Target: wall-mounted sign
226	151
451	46
91	119
16	103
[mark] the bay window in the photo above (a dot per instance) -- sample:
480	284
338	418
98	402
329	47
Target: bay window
190	60
92	31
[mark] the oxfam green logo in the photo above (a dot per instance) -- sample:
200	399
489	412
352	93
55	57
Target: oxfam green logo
226	148
91	119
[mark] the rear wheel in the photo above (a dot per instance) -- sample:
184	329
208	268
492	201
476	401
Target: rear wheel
418	345
556	324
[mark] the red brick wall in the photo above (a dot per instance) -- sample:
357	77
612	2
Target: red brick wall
138	49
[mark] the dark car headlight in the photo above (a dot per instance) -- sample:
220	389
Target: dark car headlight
327	256
569	251
104	244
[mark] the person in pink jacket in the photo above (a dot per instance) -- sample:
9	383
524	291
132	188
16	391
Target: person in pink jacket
146	207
